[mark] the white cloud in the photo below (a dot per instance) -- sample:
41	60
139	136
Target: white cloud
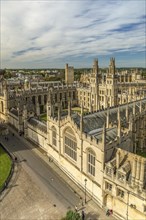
65	29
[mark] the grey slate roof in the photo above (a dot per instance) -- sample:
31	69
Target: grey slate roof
93	122
38	124
14	111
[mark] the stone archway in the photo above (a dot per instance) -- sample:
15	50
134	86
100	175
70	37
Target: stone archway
108	200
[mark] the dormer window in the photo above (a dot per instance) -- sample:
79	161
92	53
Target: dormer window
109	171
121	177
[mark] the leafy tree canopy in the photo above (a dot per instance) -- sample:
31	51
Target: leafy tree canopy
71	215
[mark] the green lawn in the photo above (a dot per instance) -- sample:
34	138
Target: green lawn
74	109
5	166
143	154
43	117
78	109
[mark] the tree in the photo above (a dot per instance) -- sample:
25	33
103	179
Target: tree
71	215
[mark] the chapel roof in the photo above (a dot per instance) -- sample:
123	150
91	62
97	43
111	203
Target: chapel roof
94	122
38	124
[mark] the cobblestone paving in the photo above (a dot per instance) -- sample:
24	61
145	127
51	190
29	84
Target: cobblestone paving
24	200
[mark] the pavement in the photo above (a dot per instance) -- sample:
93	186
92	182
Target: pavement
24	199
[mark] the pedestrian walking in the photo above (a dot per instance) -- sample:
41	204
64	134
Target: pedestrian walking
15	158
108	212
111	211
76	208
83	215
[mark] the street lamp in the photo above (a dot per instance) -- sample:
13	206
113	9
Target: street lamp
128	205
85	189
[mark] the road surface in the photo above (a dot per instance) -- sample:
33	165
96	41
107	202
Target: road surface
44	176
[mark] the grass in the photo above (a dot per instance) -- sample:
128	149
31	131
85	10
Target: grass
5	166
74	109
43	117
78	109
143	154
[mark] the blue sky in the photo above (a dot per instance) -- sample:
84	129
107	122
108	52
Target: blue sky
48	34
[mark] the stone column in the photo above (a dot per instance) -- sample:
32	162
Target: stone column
69	108
121	98
103	146
119	126
127	111
118	159
105	105
107	118
42	100
90	103
25	120
134	109
138	170
134	170
37	107
142	173
140	107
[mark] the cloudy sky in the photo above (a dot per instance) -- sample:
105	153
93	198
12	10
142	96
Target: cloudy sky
48	34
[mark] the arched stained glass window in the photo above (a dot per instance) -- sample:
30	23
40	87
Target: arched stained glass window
2	106
54	136
70	144
91	162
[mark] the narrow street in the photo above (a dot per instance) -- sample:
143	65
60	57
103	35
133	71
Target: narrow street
40	190
43	175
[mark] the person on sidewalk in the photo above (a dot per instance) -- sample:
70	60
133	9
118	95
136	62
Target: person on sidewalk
108	212
83	215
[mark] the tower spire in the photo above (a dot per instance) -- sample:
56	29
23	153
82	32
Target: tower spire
112	66
95	66
103	146
119	125
107	118
81	118
69	108
59	111
50	105
104	136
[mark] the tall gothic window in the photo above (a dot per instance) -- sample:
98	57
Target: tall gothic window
45	99
54	136
70	144
39	99
91	162
120	193
33	100
2	106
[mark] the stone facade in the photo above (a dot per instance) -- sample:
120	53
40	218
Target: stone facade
98	148
124	185
101	90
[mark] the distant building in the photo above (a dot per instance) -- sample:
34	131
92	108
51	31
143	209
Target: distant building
69	74
2	72
102	145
